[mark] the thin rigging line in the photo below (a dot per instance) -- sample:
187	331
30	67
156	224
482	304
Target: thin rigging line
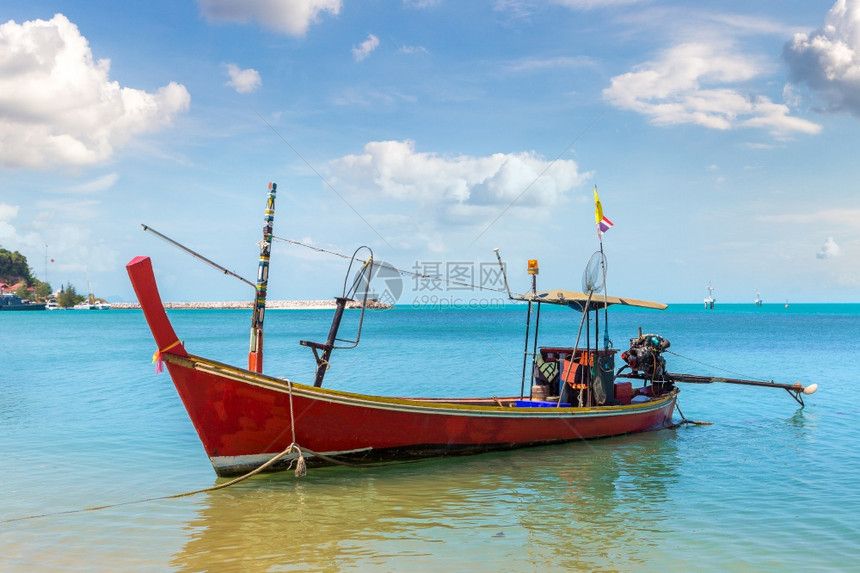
318	174
717	367
535	180
387	266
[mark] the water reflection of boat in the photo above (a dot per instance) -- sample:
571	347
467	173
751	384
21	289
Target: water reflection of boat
511	510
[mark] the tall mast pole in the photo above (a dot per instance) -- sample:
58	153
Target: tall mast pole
603	224
255	355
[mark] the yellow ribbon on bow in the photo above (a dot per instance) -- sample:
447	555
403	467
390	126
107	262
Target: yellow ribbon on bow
158	360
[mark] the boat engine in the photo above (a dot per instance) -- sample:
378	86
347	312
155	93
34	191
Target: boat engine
645	355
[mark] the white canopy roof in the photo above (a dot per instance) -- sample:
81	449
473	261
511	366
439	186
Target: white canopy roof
578	300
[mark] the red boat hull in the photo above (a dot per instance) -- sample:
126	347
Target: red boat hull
246	418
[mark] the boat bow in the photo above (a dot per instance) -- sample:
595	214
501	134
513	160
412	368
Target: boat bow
145	288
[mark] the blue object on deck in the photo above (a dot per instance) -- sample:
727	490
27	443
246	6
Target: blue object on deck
539	404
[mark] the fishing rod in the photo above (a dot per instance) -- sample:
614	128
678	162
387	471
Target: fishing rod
198	256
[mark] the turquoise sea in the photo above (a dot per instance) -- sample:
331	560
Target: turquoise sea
770	486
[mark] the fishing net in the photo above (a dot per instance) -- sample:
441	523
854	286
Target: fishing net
592	276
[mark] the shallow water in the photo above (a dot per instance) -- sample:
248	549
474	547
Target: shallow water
84	421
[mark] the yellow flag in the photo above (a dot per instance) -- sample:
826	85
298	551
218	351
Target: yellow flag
603	224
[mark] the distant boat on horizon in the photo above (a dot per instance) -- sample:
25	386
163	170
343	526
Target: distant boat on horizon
758	300
91	303
11	301
710	300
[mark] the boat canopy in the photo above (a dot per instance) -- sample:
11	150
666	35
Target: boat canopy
577	300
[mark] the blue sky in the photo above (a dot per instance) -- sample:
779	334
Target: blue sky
722	137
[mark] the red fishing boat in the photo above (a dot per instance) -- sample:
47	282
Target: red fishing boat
247	419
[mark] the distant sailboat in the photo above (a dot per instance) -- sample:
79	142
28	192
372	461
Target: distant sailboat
91	303
710	300
758	301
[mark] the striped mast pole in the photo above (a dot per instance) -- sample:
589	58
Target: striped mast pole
255	355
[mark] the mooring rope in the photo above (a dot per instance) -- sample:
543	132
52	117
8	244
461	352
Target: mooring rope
301	471
301	466
292	447
684	419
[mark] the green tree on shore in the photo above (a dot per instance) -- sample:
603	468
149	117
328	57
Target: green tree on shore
43	289
69	296
22	292
14	267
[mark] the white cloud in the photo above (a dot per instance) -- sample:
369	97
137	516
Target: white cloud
11	238
58	105
364	49
592	4
698	83
66	228
371	97
243	81
7	231
459	185
7	213
540	64
293	17
828	250
96	185
828	59
413	50
421	4
848	217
